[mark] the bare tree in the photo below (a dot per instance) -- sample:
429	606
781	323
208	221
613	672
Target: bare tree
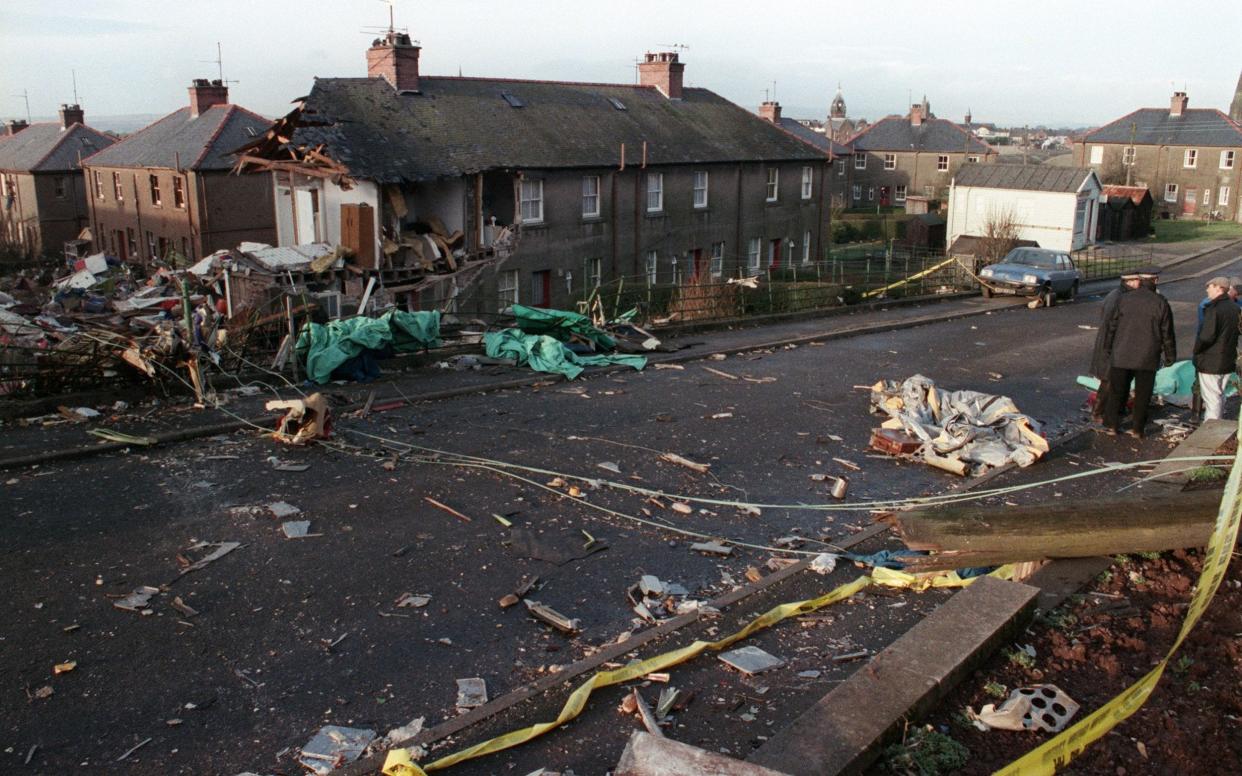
1000	234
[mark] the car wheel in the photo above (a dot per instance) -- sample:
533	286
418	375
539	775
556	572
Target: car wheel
1073	292
987	292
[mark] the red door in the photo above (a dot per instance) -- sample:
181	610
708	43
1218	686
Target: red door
1190	202
774	253
884	196
697	263
541	288
122	246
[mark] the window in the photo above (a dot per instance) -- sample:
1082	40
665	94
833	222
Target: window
806	247
840	168
929	192
752	255
507	289
1207	197
155	190
860	161
531	211
899	194
1226	160
1222	198
1170	192
653	263
973	159
59	184
700	189
808	183
132	238
717	266
594	269
151	252
857	191
120	195
890	161
871	193
590	196
942	163
178	192
774	182
655	192
98	185
1190	158
1097	154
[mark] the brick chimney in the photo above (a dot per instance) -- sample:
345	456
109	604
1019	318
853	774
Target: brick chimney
13	126
394	58
916	115
70	115
663	71
1177	106
771	111
205	94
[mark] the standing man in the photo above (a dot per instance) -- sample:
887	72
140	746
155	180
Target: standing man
1101	358
1216	347
1139	333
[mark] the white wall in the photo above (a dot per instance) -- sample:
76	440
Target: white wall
444	199
331	197
1045	217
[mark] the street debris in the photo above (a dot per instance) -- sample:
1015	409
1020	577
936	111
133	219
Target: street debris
681	508
133	749
644	713
221	549
304	421
281	509
44	692
279	465
552	617
297	529
668	699
334	746
824	563
1039	707
751	660
712	548
558	548
471	693
965	432
185	609
446	508
609	466
410	600
64	668
138	600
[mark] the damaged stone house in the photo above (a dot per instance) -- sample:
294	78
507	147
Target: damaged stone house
169	187
43	203
581	182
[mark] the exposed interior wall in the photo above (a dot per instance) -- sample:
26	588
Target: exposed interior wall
443	199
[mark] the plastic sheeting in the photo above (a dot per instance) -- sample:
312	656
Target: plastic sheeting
1175	384
543	353
983	430
327	348
560	324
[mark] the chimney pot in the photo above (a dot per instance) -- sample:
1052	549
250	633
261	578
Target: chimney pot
204	94
70	115
771	111
916	115
13	126
664	71
395	59
1177	106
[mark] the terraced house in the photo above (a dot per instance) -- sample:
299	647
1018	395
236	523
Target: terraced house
169	187
912	155
657	182
42	200
1190	158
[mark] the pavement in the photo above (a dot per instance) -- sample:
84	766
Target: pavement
291	634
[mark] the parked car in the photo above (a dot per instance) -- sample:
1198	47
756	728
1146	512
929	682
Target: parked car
1040	272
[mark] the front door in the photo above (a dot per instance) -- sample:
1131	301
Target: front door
697	265
884	196
541	288
1190	202
122	245
774	253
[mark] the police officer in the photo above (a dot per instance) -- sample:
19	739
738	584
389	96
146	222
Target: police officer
1140	331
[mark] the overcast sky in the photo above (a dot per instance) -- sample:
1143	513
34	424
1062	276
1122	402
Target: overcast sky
1054	63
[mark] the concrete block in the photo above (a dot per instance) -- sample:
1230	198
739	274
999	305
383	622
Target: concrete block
648	755
844	732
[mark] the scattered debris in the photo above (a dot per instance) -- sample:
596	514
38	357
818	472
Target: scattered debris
138	600
283	466
304	421
552	617
503	520
824	563
1039	707
446	508
44	692
750	660
701	468
722	415
410	600
809	674
682	508
334	746
185	609
64	668
297	529
850	656
133	749
712	548
720	373
283	509
471	693
668	698
222	549
644	712
848	464
559	548
839	487
609	466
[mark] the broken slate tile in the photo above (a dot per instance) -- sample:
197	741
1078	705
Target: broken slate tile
713	548
295	529
471	693
137	600
334	746
281	509
751	660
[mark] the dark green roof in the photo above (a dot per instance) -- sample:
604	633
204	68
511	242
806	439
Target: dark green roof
459	126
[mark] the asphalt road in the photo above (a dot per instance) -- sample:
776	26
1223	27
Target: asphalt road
294	634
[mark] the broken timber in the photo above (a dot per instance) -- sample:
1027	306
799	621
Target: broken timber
987	535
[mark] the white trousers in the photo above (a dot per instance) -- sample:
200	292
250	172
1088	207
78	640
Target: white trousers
1212	391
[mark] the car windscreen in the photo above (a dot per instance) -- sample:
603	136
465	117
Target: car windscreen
1042	260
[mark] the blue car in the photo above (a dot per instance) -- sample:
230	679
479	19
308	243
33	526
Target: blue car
1040	272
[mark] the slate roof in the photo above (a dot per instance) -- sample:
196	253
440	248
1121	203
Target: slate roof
198	143
896	133
1154	126
46	147
817	139
459	126
1031	177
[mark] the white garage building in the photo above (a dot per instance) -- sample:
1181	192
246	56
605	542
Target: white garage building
1057	207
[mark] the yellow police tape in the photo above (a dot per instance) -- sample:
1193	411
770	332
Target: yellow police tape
1070	743
400	763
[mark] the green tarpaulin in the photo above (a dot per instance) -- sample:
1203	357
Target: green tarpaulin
543	353
1175	383
560	324
323	348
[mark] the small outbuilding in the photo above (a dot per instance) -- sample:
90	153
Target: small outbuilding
1125	213
1057	207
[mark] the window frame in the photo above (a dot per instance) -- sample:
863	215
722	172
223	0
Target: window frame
588	196
972	158
808	182
157	199
508	282
656	178
856	192
179	192
754	256
700	189
653	267
715	265
899	192
99	192
1097	155
890	161
942	163
60	186
595	273
860	160
871	193
117	190
524	200
1128	155
772	191
806	247
841	167
1190	158
1222	196
1170	188
1227	159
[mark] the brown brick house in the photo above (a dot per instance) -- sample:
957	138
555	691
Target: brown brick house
1190	158
169	187
42	198
655	181
912	155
